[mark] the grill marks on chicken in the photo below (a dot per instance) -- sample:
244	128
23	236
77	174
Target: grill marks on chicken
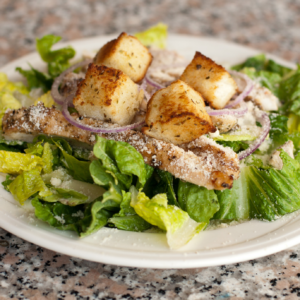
202	162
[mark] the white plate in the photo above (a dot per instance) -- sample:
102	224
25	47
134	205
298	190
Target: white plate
222	246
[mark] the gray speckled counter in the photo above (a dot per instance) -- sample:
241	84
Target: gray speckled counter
31	272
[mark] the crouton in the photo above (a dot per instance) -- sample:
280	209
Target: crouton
107	94
211	80
177	114
127	54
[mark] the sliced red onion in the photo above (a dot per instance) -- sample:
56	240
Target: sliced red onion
152	83
247	90
263	118
57	97
239	112
78	124
143	87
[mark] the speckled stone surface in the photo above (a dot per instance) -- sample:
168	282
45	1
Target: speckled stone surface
31	272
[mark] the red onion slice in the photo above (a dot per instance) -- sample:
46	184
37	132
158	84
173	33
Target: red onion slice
154	84
247	90
78	124
265	122
143	87
58	98
239	112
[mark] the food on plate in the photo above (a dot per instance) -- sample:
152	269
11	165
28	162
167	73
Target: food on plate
27	123
210	79
127	54
102	143
177	114
107	94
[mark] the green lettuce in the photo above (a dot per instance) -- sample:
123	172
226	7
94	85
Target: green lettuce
15	163
127	218
179	226
122	161
200	203
289	93
57	61
161	182
154	36
264	194
66	196
28	184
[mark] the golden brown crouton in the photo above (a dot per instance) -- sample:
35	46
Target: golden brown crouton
126	53
107	94
177	114
210	79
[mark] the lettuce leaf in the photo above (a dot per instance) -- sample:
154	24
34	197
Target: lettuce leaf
57	61
264	194
200	203
66	196
179	226
78	169
127	218
289	93
46	99
154	36
27	184
122	161
15	163
161	182
36	79
58	215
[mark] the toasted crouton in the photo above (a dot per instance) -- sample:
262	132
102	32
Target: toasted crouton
177	114
210	79
107	94
127	54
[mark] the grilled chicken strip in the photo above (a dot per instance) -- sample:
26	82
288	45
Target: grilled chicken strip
212	167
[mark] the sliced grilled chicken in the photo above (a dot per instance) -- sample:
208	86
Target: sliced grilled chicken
212	167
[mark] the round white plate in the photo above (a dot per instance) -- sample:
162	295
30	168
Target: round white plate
221	246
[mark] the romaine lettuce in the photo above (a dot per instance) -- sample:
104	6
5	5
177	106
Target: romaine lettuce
179	226
27	184
127	218
200	203
264	194
121	160
16	163
57	60
154	36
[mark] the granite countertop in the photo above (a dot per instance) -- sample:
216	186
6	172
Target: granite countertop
28	271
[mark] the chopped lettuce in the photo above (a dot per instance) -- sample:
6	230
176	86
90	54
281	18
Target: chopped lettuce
36	79
289	93
57	60
179	226
15	163
66	196
28	184
46	99
161	182
7	98
264	194
200	203
127	218
121	160
154	36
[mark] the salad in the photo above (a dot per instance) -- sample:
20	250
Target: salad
83	167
